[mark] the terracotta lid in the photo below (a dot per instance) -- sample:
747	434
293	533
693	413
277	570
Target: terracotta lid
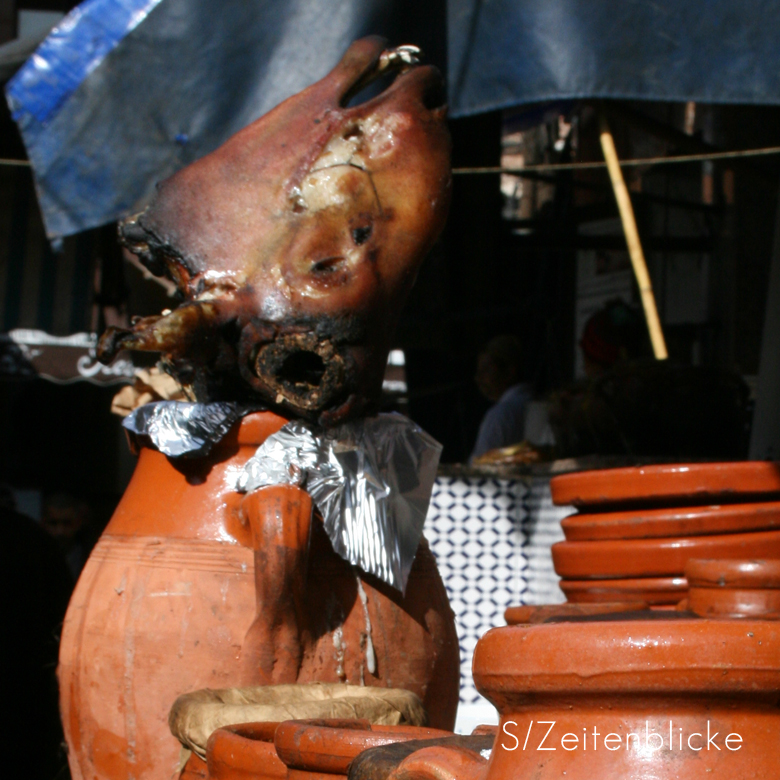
652	655
329	746
688	482
541	614
651	590
656	557
733	573
672	521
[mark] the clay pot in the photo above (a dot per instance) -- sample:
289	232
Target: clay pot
691	483
735	589
672	521
655	591
244	752
314	749
169	594
194	769
665	557
439	762
641	677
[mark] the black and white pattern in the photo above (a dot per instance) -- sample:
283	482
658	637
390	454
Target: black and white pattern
491	538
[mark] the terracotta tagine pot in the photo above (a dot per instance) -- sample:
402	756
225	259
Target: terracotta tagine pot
656	695
665	557
655	591
636	528
665	485
726	588
194	586
672	521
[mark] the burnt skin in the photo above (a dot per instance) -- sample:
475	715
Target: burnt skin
295	244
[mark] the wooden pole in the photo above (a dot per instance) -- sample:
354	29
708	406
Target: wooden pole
634	244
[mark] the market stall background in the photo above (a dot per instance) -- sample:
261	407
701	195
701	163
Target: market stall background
125	92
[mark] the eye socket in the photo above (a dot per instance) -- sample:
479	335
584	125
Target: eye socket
327	265
361	234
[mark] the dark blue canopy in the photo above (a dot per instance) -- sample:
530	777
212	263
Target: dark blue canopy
125	92
508	52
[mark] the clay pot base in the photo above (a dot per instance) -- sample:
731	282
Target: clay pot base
655	591
656	557
701	483
672	521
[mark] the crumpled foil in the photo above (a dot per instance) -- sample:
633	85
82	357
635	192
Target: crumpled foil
181	429
371	480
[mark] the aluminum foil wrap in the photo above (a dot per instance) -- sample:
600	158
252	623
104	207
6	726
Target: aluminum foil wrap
371	480
180	429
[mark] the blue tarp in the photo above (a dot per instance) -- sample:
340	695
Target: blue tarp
504	53
125	92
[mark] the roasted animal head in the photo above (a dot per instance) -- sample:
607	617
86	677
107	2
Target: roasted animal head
295	243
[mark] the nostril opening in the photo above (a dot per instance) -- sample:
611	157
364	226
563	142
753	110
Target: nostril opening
369	91
325	266
302	368
434	95
361	234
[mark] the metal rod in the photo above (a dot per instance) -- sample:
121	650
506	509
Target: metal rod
632	239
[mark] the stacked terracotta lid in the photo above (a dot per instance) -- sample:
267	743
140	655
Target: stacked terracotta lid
636	528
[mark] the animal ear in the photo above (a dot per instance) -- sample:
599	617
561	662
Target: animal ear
355	67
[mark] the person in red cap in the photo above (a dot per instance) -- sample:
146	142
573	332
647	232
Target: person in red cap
613	334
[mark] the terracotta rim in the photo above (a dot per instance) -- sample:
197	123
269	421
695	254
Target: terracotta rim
705	482
541	614
648	656
662	557
763	603
652	590
672	521
247	746
720	573
329	746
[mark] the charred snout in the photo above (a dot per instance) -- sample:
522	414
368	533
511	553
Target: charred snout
300	371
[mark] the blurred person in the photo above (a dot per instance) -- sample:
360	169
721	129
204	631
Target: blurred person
33	605
614	334
67	519
498	378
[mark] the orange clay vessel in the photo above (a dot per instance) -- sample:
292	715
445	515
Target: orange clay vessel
194	586
645	695
635	696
